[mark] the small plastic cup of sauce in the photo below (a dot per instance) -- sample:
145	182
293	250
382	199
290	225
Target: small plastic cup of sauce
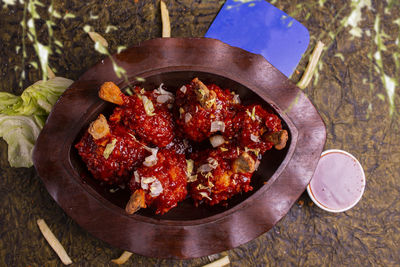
338	182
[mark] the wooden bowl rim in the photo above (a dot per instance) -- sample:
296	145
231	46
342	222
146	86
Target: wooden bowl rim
198	226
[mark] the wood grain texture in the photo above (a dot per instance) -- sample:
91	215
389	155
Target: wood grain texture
185	232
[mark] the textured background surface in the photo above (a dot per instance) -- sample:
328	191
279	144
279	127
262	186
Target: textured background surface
348	92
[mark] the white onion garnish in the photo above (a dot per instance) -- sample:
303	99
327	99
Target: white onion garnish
188	117
164	98
217	140
137	177
156	188
204	168
152	159
217	126
254	138
161	91
183	89
213	162
148	106
146	181
236	99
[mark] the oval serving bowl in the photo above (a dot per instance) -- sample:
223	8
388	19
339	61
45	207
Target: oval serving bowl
185	231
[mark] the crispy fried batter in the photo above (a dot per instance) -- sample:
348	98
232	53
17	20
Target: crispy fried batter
99	128
244	164
110	92
136	202
279	139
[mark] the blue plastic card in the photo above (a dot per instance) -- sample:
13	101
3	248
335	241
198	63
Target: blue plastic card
261	28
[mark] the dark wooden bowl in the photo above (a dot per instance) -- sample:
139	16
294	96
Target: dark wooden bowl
185	231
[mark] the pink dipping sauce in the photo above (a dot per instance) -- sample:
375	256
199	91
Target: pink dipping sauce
338	182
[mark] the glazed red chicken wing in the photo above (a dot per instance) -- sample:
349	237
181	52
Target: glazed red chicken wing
164	183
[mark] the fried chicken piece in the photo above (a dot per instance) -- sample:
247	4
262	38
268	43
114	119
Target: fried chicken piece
221	174
110	151
203	110
255	128
163	182
145	112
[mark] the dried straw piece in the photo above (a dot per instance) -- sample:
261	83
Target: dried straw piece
53	242
98	38
312	64
123	258
218	263
166	25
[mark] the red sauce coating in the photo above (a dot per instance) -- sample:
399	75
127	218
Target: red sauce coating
117	168
170	171
249	126
165	183
157	129
221	183
197	125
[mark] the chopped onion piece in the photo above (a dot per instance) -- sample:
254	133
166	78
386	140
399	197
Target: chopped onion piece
152	159
146	181
213	162
188	117
204	194
161	91
205	168
217	140
164	98
183	89
217	126
137	177
109	148
156	188
148	106
236	99
254	138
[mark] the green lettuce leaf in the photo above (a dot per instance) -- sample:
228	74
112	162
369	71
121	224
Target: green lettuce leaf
23	117
20	133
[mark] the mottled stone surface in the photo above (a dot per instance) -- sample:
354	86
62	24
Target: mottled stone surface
348	93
